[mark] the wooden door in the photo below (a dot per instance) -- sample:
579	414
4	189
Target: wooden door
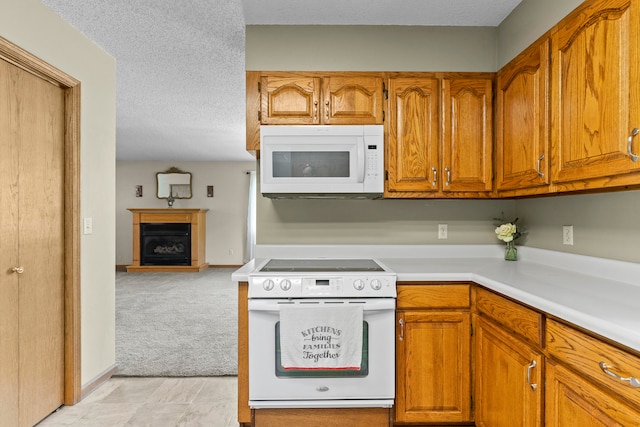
32	131
290	99
352	100
594	93
467	140
522	122
413	153
433	367
504	374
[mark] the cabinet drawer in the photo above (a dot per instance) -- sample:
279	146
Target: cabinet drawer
584	353
511	315
433	296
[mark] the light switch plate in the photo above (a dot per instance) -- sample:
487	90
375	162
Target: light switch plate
87	226
443	231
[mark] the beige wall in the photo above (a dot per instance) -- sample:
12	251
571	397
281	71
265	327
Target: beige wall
370	48
35	28
527	22
227	216
604	224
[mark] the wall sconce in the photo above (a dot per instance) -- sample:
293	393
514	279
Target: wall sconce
138	190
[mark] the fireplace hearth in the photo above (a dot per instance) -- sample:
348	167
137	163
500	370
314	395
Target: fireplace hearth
165	244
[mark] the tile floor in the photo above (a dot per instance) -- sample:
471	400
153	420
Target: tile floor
157	402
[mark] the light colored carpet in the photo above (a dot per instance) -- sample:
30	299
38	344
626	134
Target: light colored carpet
176	324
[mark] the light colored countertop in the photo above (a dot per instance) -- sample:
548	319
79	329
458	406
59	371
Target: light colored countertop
597	294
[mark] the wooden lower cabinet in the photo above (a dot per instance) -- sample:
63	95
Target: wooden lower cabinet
573	401
433	354
508	375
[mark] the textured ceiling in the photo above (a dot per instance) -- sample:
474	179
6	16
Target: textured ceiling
180	64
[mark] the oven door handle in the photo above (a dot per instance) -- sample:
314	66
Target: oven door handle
382	304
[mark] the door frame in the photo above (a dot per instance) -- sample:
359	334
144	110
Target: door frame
71	87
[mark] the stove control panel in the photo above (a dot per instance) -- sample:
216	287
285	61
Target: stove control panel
322	287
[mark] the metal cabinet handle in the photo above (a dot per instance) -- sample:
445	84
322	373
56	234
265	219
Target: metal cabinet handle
448	176
315	110
634	132
529	368
633	382
401	337
435	177
18	270
540	174
326	109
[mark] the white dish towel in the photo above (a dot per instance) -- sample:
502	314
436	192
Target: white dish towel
321	336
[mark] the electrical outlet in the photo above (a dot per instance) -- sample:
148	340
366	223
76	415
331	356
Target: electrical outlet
442	231
231	251
567	234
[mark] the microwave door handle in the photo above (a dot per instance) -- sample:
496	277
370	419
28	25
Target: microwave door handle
361	159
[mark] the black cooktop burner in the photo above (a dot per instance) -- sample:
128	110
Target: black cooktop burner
320	265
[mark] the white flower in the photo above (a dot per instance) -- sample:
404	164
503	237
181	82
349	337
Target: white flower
506	232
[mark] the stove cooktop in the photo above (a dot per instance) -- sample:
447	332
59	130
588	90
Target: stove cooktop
322	278
321	265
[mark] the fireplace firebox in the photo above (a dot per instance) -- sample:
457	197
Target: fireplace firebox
165	244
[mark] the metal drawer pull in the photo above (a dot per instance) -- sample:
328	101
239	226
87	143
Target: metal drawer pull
435	176
448	176
531	366
326	108
401	337
540	174
18	270
634	132
633	382
315	110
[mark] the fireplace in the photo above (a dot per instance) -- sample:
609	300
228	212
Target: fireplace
165	244
167	240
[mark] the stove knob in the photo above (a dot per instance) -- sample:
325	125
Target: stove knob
358	284
285	285
376	285
268	284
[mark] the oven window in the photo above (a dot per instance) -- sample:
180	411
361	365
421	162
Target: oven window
323	164
329	373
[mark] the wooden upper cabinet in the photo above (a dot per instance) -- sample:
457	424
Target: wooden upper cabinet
289	99
595	96
308	99
467	140
522	123
348	100
412	152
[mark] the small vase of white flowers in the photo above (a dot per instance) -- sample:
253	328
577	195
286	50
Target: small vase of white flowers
508	233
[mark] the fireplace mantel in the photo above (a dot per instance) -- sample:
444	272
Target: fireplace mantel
196	217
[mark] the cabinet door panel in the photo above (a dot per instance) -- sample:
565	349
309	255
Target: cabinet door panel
412	157
289	99
433	367
572	401
522	120
467	136
352	100
504	374
593	59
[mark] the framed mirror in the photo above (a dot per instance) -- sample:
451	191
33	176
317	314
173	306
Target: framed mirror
173	182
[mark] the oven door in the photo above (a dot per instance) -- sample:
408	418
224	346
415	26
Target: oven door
271	386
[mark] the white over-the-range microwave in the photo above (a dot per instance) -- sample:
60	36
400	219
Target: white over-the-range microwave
322	161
